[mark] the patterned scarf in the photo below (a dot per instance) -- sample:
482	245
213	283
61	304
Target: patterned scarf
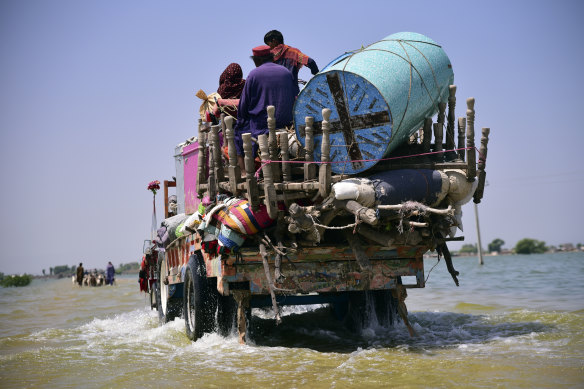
231	82
291	53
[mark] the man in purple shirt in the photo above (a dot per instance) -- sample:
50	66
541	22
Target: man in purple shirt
267	84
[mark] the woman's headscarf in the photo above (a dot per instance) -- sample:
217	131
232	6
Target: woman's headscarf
231	82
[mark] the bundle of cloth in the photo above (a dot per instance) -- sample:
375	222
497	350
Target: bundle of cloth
227	224
170	229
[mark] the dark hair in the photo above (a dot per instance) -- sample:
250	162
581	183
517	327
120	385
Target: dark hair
263	59
274	34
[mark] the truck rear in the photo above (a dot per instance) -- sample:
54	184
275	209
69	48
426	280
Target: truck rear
312	220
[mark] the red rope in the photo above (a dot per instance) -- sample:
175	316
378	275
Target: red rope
266	162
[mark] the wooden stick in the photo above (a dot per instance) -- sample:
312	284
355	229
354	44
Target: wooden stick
286	168
273	142
478	195
270	200
471	155
427	137
325	169
234	169
451	117
309	168
461	137
366	214
424	208
264	254
251	184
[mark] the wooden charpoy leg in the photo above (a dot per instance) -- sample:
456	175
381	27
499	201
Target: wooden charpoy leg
271	200
273	143
234	169
242	298
400	294
325	169
471	153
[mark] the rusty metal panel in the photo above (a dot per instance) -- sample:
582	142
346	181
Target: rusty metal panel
336	253
328	276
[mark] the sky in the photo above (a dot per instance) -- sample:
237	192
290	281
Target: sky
95	95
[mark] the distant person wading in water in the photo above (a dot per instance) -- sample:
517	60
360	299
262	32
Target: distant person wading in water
109	274
80	273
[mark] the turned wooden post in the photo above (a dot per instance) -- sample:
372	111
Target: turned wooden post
223	124
234	169
273	143
286	167
451	118
478	195
438	135
461	137
309	168
324	171
201	162
251	183
427	135
217	159
211	180
441	113
270	200
471	155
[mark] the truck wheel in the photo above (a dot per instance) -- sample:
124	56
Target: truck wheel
168	308
198	301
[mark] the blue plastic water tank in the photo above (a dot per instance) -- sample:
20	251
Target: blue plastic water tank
379	95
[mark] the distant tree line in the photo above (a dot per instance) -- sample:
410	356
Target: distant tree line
524	246
66	270
132	267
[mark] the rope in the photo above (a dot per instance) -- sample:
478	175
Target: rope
268	161
428	276
401	42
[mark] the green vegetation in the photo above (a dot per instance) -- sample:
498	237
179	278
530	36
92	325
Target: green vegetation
496	245
63	270
530	246
22	280
468	249
132	267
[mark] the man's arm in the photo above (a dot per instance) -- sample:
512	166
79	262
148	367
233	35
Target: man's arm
312	66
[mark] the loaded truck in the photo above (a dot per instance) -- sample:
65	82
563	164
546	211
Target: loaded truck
338	209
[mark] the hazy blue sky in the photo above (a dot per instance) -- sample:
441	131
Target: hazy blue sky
94	95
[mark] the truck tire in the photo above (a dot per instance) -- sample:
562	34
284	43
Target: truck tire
168	308
199	303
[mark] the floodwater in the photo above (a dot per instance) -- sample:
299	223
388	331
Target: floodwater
517	321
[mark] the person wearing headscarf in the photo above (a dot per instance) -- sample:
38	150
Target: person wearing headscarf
231	82
231	85
289	57
109	274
